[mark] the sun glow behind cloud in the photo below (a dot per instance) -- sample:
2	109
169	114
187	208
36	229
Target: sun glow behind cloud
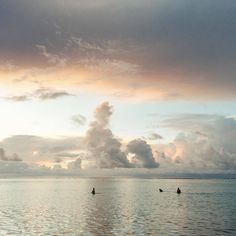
162	52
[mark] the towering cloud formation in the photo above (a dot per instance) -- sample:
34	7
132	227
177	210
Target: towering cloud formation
98	148
101	143
106	150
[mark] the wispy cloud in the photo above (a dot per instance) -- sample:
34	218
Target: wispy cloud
41	94
79	119
154	136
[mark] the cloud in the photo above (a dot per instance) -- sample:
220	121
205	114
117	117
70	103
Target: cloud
48	93
143	156
18	98
75	165
3	156
102	146
13	168
210	147
161	50
36	149
155	136
206	143
106	150
51	58
42	156
67	154
42	93
79	119
190	122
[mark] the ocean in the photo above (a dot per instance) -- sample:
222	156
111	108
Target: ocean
121	206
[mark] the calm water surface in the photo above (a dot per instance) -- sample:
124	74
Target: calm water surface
122	207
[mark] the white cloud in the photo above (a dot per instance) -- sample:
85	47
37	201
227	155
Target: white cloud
208	144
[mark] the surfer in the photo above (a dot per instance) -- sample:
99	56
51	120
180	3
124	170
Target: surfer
160	190
93	191
178	190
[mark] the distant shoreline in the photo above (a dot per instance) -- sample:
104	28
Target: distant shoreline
163	176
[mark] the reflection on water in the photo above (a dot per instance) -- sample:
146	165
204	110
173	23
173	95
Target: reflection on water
121	207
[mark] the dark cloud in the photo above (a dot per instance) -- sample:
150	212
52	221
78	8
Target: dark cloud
191	44
4	157
143	156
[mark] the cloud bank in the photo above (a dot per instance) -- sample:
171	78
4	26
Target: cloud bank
205	143
107	150
161	50
99	149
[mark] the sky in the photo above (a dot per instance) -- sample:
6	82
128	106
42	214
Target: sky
117	87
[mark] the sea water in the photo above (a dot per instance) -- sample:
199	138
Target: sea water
120	207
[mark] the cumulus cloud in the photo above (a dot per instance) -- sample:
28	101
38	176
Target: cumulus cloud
210	147
103	147
206	143
36	149
3	156
99	148
106	150
143	156
42	156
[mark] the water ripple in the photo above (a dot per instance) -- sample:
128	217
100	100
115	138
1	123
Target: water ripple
123	207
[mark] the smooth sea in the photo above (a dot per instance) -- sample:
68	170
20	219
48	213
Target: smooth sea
122	206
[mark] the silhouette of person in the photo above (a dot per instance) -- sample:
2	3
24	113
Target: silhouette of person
178	190
160	190
93	191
